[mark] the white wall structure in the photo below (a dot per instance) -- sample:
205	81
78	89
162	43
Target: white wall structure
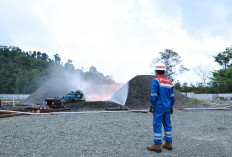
14	96
227	96
12	99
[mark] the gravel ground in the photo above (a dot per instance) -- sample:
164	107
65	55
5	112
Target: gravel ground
195	133
217	103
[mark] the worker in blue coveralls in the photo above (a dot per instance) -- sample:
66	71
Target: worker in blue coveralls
161	104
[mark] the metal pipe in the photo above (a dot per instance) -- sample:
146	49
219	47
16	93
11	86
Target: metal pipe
193	109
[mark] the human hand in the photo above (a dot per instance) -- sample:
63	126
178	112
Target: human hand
151	109
171	111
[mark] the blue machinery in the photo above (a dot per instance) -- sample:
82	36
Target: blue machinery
73	96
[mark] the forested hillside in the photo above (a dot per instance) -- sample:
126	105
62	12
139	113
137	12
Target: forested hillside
23	72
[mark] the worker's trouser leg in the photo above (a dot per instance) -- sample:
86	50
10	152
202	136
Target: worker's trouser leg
158	119
167	127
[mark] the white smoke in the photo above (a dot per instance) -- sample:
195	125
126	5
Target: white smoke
60	86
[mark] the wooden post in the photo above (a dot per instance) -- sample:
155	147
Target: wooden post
13	103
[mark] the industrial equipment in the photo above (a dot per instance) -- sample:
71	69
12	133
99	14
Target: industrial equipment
76	96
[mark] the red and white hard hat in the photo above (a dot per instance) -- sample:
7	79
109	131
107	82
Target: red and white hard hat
160	67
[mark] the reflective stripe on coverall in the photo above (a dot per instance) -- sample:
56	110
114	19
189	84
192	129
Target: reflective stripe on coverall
162	99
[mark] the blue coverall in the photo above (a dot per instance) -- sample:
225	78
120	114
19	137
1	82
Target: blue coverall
162	99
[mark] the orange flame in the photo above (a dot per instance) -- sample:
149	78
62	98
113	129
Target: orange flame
101	92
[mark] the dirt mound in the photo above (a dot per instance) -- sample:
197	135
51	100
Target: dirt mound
139	93
183	101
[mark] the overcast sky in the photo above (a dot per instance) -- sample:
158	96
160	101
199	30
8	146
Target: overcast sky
120	37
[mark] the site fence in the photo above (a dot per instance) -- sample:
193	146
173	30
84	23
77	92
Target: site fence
219	96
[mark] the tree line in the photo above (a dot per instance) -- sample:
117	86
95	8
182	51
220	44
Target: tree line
23	72
212	81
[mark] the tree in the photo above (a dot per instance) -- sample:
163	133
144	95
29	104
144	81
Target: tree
57	59
222	79
69	66
44	56
33	55
224	58
38	55
205	73
178	85
172	61
93	69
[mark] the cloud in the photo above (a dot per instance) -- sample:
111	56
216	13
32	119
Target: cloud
21	26
119	37
206	16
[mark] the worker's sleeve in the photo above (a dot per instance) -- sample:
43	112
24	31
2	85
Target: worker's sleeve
154	92
172	97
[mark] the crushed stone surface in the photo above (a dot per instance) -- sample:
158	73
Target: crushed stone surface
217	103
195	133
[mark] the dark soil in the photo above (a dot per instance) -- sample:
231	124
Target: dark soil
139	93
92	105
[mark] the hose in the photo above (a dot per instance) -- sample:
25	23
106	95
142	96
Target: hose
52	113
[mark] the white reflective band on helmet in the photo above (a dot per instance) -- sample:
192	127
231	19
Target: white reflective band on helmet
160	67
153	94
172	95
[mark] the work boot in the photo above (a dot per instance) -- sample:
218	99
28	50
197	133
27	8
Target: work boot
154	147
167	145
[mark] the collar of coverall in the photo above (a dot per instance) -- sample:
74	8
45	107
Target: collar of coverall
163	80
161	76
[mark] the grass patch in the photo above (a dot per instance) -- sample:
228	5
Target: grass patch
197	101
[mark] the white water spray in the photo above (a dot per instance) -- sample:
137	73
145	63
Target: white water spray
58	87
